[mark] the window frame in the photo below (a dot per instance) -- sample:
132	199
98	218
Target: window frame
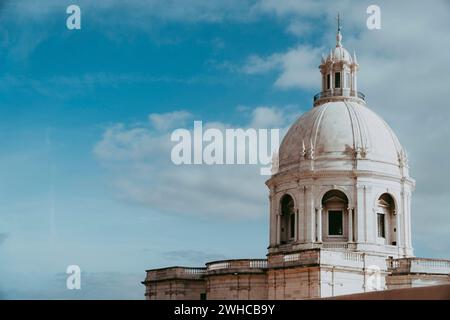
381	225
337	80
287	219
341	235
292	225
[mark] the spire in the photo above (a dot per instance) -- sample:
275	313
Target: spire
339	76
338	35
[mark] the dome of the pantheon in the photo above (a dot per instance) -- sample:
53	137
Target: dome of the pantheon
339	131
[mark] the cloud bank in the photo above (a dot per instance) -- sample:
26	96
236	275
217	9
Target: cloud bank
139	158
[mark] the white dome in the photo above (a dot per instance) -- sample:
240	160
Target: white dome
337	132
341	54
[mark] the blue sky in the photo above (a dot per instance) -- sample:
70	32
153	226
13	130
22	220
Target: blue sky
81	154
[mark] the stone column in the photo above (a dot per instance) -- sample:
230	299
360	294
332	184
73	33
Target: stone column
296	224
331	81
343	80
319	224
354	83
310	215
405	218
397	227
350	224
360	215
324	82
273	217
278	229
408	226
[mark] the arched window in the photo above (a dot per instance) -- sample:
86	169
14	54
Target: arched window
337	80
287	225
386	220
334	216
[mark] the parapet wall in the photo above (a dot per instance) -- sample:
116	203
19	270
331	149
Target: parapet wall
305	274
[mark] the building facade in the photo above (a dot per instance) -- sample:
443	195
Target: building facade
340	213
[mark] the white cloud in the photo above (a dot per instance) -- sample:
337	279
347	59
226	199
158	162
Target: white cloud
170	120
297	67
266	117
120	143
300	28
138	157
258	65
291	7
302	17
